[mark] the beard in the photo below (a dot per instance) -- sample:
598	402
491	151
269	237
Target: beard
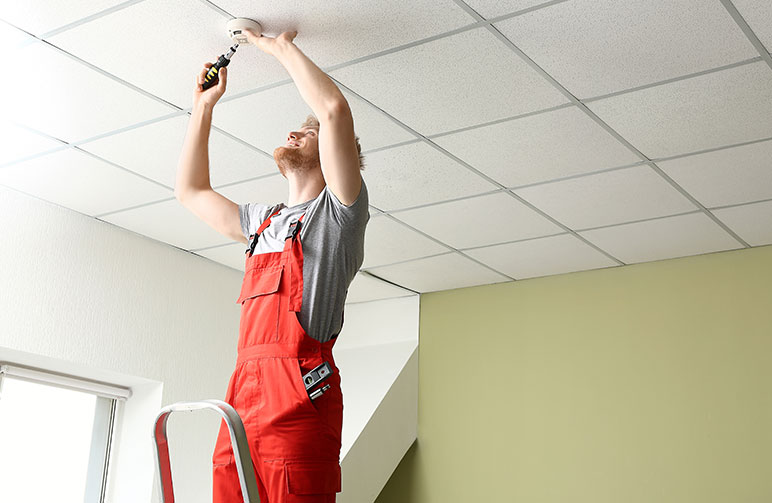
294	160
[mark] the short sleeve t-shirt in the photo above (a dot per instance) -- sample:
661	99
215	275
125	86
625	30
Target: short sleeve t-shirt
332	236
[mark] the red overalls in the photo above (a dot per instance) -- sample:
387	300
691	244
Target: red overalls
294	441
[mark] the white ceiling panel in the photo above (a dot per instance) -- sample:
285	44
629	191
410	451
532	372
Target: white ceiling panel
67	100
387	242
479	221
492	8
335	31
441	272
614	197
183	39
539	148
450	83
629	43
725	177
757	13
268	190
229	160
19	142
542	257
273	113
718	109
41	16
231	255
365	288
79	181
415	174
11	40
664	238
752	222
168	222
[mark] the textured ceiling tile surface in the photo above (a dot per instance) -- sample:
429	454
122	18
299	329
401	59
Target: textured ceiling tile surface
752	222
335	31
493	8
614	197
479	221
442	272
41	16
80	182
757	14
169	222
365	288
387	242
19	142
662	239
725	177
229	255
450	83
539	148
415	174
67	100
198	34
229	160
542	257
629	43
270	190
714	110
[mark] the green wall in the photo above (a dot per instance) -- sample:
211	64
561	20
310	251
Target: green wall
644	383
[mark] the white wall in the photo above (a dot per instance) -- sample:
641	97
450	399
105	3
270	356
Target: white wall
84	297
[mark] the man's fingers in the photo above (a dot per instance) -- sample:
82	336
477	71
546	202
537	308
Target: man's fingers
223	76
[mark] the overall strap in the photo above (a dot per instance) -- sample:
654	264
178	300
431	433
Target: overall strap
254	237
293	245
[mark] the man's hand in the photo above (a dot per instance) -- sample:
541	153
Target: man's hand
210	96
268	44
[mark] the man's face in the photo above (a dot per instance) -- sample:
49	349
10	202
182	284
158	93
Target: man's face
300	152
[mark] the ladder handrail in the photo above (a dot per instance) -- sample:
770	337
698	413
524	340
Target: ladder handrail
239	445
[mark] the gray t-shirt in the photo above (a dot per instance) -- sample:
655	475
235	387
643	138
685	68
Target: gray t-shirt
333	238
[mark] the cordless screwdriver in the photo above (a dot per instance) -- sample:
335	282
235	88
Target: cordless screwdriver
211	76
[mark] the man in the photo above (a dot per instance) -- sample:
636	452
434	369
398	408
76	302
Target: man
300	261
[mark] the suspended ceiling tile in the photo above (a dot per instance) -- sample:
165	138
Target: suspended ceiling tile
265	119
757	14
79	181
718	109
175	43
542	257
12	40
387	242
493	8
442	272
614	197
168	222
335	31
231	255
416	174
725	177
269	190
41	16
479	221
19	143
595	47
69	101
154	151
365	288
664	238
457	81
539	148
752	222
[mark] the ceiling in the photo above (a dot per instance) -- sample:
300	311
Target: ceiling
504	140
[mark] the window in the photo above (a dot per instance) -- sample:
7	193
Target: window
55	435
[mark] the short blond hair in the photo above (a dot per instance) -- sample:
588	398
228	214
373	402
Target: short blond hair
312	121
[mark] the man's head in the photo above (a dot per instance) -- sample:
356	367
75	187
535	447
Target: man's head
301	152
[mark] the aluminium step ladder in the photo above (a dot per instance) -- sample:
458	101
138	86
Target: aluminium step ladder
239	444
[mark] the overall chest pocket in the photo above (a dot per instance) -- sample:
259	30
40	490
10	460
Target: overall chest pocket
260	301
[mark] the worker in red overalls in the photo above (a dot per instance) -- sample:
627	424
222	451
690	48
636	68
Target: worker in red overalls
300	259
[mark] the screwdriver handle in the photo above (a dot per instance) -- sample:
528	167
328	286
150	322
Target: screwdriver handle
211	77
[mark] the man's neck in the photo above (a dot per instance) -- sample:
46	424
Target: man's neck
304	187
